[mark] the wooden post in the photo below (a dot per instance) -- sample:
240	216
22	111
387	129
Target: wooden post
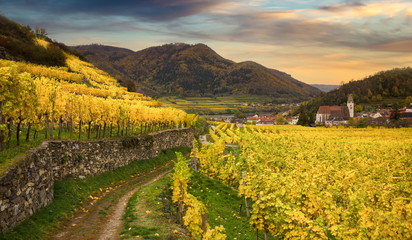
35	134
104	129
204	222
18	131
59	135
47	126
71	128
89	130
97	131
180	204
246	203
80	129
28	132
52	126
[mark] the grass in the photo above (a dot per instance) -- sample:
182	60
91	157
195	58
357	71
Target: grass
70	194
144	217
147	208
13	155
223	205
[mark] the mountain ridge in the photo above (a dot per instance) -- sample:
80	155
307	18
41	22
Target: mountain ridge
325	87
193	70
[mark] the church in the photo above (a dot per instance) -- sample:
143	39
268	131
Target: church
335	115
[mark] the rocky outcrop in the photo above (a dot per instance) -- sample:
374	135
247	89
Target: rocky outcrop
28	186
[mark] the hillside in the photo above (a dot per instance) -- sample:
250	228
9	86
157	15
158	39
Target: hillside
386	87
325	87
20	43
193	70
74	94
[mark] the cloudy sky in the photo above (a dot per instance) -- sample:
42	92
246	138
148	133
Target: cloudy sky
317	41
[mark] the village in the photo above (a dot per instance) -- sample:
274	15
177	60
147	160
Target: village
330	116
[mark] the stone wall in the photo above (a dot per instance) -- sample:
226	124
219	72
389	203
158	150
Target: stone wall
28	186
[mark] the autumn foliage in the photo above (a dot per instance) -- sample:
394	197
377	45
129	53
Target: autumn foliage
78	99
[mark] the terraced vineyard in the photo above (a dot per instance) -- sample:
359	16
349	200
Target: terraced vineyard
317	183
75	99
222	105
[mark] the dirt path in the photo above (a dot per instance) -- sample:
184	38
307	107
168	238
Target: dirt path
101	219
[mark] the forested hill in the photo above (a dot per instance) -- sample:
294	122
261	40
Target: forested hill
392	85
193	70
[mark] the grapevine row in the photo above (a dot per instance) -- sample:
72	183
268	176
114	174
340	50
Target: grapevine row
317	183
54	100
192	212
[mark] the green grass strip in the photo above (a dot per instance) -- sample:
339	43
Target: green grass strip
145	218
70	194
223	205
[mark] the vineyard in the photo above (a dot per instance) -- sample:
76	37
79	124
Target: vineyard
316	183
78	100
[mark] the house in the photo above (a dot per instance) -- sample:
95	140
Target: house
375	115
409	108
253	119
335	115
292	120
406	116
262	120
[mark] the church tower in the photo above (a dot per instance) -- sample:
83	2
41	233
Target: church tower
351	106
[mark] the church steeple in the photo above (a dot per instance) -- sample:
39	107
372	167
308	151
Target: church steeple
351	106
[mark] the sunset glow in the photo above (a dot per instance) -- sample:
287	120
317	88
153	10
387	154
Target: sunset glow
325	41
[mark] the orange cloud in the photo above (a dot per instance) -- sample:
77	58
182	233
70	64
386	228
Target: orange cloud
399	46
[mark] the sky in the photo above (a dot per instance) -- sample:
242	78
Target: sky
316	41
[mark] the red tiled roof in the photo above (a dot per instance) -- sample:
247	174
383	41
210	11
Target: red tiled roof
329	109
334	111
262	118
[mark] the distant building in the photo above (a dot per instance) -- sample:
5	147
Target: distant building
262	120
292	120
351	106
335	115
409	108
407	115
375	115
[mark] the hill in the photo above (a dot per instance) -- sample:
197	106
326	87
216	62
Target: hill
193	70
72	94
325	87
386	87
21	43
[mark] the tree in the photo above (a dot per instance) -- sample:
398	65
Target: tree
239	114
358	108
305	118
395	113
408	100
280	120
395	91
41	32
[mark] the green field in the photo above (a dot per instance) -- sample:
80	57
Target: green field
220	105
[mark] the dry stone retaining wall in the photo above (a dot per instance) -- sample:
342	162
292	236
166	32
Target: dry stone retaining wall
28	186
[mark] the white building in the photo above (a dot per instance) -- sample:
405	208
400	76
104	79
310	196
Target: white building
331	115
